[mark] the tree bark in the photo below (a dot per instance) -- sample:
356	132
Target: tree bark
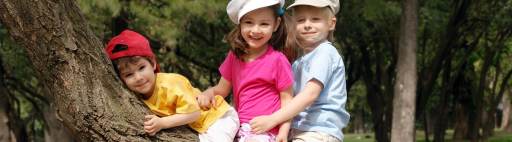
5	131
54	130
478	98
461	128
429	75
87	95
404	102
507	114
377	101
505	102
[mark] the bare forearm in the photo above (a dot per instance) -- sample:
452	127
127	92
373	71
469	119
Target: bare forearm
302	100
223	88
180	119
296	105
285	127
218	91
286	98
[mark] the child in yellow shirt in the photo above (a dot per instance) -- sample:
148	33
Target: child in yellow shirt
170	96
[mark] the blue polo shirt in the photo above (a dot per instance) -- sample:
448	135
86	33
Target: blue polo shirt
327	114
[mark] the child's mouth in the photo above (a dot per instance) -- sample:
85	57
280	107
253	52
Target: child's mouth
256	38
308	33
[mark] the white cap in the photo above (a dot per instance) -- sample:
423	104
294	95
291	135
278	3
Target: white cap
238	8
334	5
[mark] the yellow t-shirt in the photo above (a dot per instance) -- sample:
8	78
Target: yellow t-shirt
174	94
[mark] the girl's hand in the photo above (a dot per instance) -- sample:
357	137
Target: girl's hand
206	99
152	124
262	124
282	137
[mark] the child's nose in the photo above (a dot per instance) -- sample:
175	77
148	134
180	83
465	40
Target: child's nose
307	25
138	77
256	29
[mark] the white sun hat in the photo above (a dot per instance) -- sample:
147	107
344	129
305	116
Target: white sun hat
238	8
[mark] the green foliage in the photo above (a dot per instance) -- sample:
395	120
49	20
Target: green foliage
379	9
100	13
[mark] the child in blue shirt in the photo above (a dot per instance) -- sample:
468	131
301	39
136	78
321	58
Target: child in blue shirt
318	107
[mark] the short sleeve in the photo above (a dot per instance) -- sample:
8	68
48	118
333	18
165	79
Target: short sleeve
283	73
225	68
320	66
186	97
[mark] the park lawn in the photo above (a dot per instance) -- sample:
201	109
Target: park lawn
420	137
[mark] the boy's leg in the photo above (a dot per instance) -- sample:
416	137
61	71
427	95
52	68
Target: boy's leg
222	130
304	136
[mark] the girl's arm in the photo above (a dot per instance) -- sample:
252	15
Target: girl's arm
223	88
302	100
207	98
153	123
286	97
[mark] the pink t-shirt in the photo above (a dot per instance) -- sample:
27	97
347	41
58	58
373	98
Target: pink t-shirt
257	84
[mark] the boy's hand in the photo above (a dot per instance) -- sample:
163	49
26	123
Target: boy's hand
152	124
206	99
262	124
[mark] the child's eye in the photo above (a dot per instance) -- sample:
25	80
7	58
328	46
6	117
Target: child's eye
265	24
247	22
127	75
316	18
142	67
301	20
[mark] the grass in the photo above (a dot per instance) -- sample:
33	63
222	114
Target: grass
368	137
420	137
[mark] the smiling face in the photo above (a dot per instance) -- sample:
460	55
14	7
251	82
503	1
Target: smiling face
257	27
138	74
313	24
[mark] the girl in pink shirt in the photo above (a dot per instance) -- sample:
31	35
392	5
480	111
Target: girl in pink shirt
258	74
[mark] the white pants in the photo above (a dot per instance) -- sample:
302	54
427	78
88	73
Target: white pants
222	130
304	136
245	135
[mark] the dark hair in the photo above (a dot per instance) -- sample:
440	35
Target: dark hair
124	61
279	39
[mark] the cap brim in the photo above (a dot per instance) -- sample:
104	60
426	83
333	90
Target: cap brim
316	4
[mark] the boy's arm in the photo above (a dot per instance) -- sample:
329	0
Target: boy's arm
302	100
295	106
153	123
286	97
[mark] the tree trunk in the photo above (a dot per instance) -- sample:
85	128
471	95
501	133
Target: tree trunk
460	127
5	131
54	130
505	108
377	100
404	103
87	95
489	123
507	113
429	74
478	98
358	121
441	121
